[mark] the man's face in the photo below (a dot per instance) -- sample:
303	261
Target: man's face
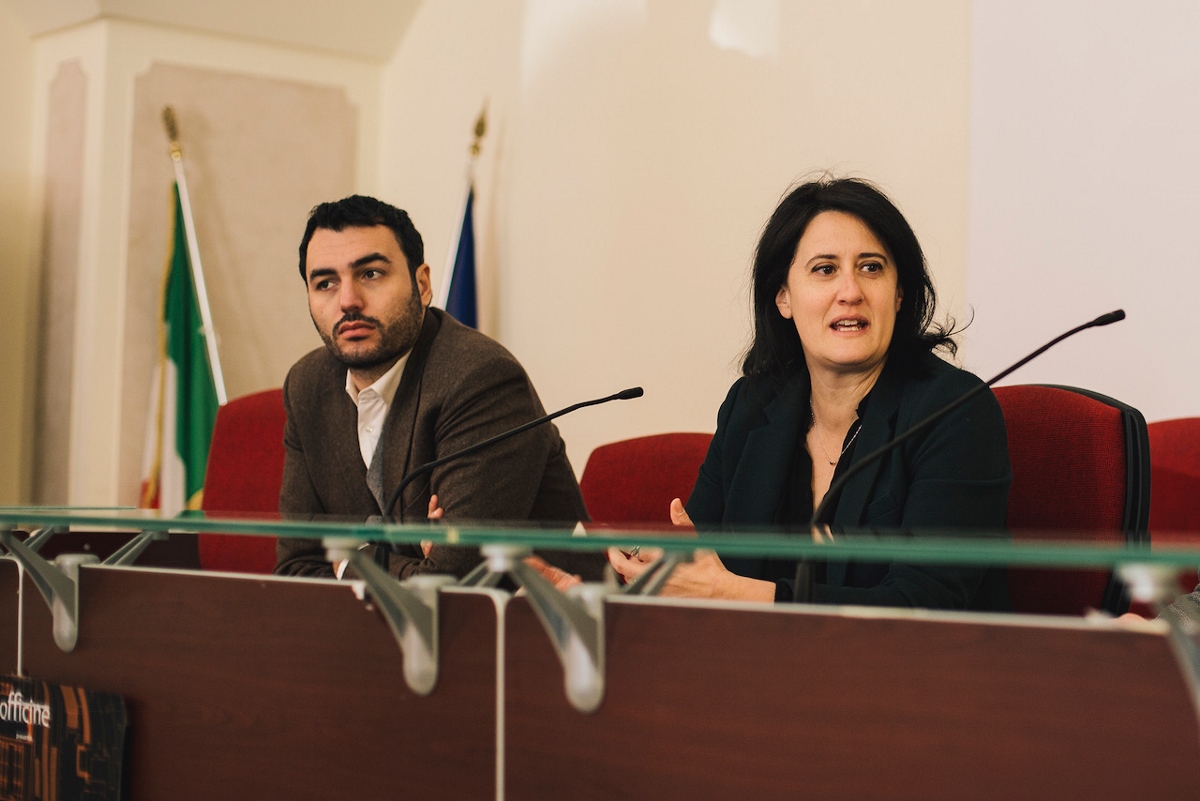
363	300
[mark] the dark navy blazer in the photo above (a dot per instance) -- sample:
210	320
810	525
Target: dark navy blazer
955	475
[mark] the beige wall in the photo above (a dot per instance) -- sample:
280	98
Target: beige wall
53	363
268	174
632	162
16	237
259	154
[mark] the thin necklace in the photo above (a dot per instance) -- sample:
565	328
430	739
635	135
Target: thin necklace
857	426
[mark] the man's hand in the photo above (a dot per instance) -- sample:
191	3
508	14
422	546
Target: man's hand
561	579
435	513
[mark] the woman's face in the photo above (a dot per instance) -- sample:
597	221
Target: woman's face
842	293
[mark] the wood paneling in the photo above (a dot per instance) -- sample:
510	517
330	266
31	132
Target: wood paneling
727	703
253	688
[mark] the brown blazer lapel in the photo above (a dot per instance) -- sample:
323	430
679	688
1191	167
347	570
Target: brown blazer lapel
332	415
404	449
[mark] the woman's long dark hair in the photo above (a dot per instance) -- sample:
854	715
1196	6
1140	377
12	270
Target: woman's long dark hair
776	349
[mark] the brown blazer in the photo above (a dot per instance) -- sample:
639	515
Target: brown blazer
458	388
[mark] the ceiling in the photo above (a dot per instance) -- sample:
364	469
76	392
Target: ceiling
370	29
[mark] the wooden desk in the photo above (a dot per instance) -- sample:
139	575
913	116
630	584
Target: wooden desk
709	702
9	604
258	688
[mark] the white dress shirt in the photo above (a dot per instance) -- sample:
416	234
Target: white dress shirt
373	403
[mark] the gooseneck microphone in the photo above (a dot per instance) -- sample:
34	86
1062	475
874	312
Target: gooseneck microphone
429	467
803	593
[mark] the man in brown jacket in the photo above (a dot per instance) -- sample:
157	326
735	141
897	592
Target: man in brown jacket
398	385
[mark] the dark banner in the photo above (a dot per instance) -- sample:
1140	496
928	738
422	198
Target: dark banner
59	743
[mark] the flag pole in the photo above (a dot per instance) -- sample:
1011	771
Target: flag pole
452	253
189	227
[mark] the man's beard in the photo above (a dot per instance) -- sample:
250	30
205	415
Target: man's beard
395	339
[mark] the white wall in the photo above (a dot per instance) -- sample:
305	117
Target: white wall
632	163
1085	183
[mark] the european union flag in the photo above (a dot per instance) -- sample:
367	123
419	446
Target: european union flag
460	298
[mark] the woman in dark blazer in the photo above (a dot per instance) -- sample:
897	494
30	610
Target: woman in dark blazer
843	361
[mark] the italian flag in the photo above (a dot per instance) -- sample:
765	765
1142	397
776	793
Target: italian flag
183	404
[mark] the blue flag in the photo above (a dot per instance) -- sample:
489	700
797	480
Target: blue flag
460	297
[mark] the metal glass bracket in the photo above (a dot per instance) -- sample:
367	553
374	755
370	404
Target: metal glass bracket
39	537
1157	585
481	576
574	620
410	608
127	554
130	551
58	583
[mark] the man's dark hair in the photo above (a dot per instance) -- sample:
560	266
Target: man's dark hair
776	348
360	211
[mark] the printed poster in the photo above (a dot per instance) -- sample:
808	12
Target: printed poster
59	743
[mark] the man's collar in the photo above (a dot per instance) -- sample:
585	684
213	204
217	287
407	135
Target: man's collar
385	386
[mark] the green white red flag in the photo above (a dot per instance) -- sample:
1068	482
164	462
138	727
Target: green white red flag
184	396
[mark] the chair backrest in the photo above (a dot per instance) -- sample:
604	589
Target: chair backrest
634	480
245	471
1175	478
1175	488
1081	463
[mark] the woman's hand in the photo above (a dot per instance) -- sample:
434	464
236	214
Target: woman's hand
686	581
704	577
633	562
679	515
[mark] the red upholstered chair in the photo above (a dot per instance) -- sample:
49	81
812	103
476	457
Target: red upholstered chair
1081	464
1175	485
1175	471
245	470
634	480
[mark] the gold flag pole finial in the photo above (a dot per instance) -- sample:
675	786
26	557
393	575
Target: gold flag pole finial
172	126
480	130
452	255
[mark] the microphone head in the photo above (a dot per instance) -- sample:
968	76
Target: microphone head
629	394
1111	317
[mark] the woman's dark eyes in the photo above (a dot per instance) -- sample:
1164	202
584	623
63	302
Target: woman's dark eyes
867	267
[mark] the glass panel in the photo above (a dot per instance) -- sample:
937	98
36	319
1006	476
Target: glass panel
1027	548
